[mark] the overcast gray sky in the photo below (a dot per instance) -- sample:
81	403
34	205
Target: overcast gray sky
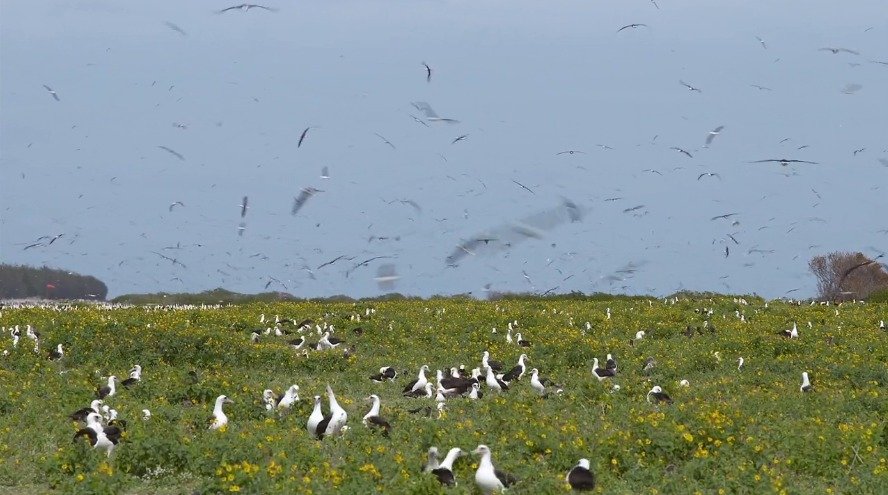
526	80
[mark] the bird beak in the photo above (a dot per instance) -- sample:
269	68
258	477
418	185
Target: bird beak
228	401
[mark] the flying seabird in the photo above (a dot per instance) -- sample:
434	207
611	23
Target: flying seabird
682	151
219	419
177	203
835	51
659	395
173	152
708	174
135	376
108	390
430	114
806	384
299	201
633	26
580	477
444	471
302	137
690	88
783	161
459	138
419	383
243	206
713	133
372	418
428	72
762	42
570	152
245	7
601	373
488	478
51	92
385	373
175	28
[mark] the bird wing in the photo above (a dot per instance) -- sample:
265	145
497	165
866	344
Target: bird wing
426	109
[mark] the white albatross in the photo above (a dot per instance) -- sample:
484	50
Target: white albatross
488	478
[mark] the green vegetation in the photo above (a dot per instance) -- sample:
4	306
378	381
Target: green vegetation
730	431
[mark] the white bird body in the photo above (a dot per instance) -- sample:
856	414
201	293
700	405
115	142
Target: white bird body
432	463
290	397
374	409
219	417
486	477
806	384
338	415
535	381
420	381
316	416
492	381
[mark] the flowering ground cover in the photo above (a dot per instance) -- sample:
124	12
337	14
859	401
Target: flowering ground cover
728	431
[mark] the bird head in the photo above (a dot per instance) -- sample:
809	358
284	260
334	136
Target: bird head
481	450
584	463
224	400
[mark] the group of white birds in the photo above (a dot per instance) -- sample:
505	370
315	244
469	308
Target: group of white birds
103	429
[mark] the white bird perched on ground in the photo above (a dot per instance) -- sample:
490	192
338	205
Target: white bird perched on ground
419	383
485	361
493	382
108	390
269	399
385	373
219	419
523	343
372	418
432	460
580	477
337	418
539	384
639	335
487	477
806	384
290	397
57	353
601	373
659	395
315	418
740	362
792	333
100	437
475	393
518	371
146	414
134	377
81	414
444	471
684	383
